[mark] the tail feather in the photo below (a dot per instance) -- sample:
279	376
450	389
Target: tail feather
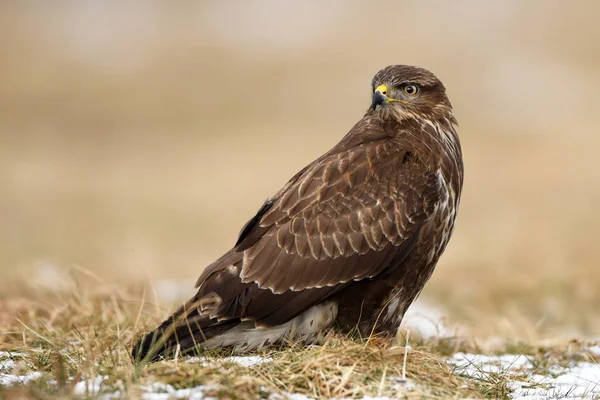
182	333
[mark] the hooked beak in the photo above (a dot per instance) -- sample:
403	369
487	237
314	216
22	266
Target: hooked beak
380	96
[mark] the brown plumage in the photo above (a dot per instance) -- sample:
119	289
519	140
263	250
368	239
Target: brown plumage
350	239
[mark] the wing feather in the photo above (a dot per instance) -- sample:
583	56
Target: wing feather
343	218
364	217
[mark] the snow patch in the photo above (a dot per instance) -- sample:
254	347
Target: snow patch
578	382
90	387
288	396
248	361
163	391
425	321
594	351
403	384
9	379
7	364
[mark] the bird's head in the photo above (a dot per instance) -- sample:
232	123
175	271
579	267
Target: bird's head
404	91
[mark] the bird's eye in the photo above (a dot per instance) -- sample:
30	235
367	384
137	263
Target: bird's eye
410	90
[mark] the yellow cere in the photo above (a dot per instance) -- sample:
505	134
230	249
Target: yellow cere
383	89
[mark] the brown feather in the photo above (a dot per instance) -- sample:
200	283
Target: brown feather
362	226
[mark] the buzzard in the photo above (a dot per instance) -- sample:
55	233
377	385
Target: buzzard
350	240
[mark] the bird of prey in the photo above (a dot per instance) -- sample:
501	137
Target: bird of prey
349	241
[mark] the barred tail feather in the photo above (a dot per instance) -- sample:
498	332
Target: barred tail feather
182	333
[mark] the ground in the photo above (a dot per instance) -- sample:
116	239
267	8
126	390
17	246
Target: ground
75	343
137	140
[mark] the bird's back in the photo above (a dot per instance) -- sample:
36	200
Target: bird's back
352	237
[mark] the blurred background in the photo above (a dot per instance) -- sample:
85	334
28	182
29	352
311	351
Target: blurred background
136	138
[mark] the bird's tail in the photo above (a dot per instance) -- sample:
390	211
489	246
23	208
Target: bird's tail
182	333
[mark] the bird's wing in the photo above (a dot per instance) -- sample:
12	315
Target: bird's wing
333	223
346	217
350	215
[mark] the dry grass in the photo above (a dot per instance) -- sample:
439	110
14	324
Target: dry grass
83	334
85	331
139	151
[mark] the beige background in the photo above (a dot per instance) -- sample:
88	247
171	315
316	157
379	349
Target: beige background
136	138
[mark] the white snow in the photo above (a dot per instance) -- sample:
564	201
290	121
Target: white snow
9	379
288	396
577	382
6	366
248	361
425	321
162	391
403	384
90	386
594	351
